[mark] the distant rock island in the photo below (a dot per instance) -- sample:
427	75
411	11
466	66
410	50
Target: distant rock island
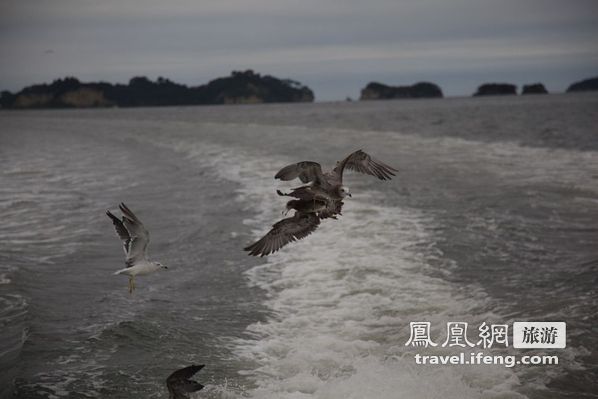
534	88
496	89
379	91
584	85
241	87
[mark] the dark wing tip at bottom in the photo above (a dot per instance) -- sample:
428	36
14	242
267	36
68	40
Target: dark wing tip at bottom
197	386
179	383
258	248
284	232
185	373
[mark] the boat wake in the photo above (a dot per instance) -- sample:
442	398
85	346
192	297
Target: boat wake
341	300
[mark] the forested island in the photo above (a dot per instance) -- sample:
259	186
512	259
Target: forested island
241	87
584	85
496	89
534	88
379	91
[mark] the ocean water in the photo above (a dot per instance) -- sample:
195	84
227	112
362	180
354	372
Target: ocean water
492	218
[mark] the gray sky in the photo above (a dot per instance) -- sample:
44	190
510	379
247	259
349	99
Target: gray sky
335	47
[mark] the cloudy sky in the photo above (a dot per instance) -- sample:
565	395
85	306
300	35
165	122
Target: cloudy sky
333	46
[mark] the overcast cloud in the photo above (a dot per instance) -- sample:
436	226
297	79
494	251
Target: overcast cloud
335	47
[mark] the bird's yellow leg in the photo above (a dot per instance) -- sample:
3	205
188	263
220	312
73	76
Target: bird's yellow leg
130	285
133	281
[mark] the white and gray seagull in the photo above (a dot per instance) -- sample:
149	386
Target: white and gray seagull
135	240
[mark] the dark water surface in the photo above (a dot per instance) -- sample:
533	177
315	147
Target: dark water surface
491	219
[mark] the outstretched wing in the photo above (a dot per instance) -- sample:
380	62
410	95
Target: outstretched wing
121	230
307	171
139	235
360	161
283	232
179	383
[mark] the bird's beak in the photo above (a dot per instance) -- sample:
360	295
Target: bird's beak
349	194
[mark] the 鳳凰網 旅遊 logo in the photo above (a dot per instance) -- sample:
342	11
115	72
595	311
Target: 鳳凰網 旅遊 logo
540	335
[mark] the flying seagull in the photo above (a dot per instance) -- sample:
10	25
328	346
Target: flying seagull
179	383
321	198
135	239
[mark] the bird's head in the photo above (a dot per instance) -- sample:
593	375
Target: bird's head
161	266
290	205
343	192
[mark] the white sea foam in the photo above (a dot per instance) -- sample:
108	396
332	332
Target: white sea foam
342	300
